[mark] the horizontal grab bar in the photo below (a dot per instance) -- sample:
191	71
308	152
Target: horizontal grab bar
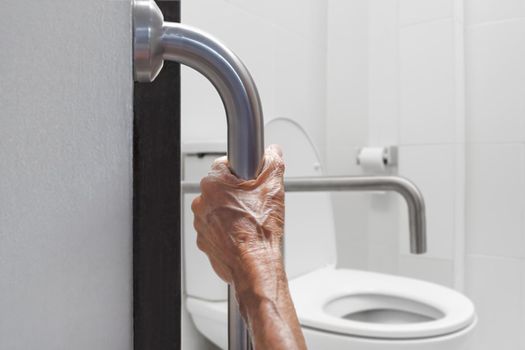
407	189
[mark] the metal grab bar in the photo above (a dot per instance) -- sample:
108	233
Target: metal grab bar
155	41
406	188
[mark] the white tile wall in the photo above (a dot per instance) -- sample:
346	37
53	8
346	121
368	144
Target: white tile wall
496	199
381	259
347	121
434	270
383	73
300	90
412	87
350	211
482	11
383	128
283	45
346	84
428	83
496	287
431	136
417	11
495	52
203	115
305	18
495	76
383	232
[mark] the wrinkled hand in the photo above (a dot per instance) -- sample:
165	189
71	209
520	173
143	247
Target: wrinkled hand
240	224
240	227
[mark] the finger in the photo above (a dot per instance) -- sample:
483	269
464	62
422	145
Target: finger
201	244
196	206
276	150
222	271
198	225
220	164
207	186
222	173
272	166
273	160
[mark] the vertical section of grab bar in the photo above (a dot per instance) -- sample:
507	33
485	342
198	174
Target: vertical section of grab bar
245	122
156	41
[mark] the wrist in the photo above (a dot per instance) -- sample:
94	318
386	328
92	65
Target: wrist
258	281
252	303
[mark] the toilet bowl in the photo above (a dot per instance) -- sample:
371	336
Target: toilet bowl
370	310
374	305
337	308
359	310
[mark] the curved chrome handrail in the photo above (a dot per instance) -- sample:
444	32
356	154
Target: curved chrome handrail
155	41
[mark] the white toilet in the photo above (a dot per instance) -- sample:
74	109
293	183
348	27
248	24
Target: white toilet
337	308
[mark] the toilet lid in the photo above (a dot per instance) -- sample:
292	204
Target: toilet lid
319	299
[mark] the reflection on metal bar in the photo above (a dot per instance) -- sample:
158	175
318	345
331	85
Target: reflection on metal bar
407	189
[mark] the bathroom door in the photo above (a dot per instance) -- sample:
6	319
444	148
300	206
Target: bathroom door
156	206
66	97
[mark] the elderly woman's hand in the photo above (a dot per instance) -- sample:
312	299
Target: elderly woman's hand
240	224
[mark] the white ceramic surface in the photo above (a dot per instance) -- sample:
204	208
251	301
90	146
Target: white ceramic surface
312	292
325	341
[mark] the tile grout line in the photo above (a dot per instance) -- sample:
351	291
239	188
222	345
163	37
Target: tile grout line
496	21
428	21
460	161
516	259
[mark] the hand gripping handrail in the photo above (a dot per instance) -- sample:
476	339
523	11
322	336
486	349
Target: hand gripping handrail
155	41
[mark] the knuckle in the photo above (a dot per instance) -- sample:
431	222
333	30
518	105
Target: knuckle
197	225
195	205
200	244
280	166
220	163
206	185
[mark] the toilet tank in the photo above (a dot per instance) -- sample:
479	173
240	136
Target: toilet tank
309	227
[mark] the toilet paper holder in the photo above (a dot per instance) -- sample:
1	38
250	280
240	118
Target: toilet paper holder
388	155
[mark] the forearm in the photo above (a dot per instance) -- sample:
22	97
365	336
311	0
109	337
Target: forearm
269	312
240	227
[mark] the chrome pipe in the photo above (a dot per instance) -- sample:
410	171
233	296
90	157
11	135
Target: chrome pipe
234	84
407	189
155	41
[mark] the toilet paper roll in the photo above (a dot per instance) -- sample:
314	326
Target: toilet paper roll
372	160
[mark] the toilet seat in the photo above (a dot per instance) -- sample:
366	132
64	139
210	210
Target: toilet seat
323	297
314	295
